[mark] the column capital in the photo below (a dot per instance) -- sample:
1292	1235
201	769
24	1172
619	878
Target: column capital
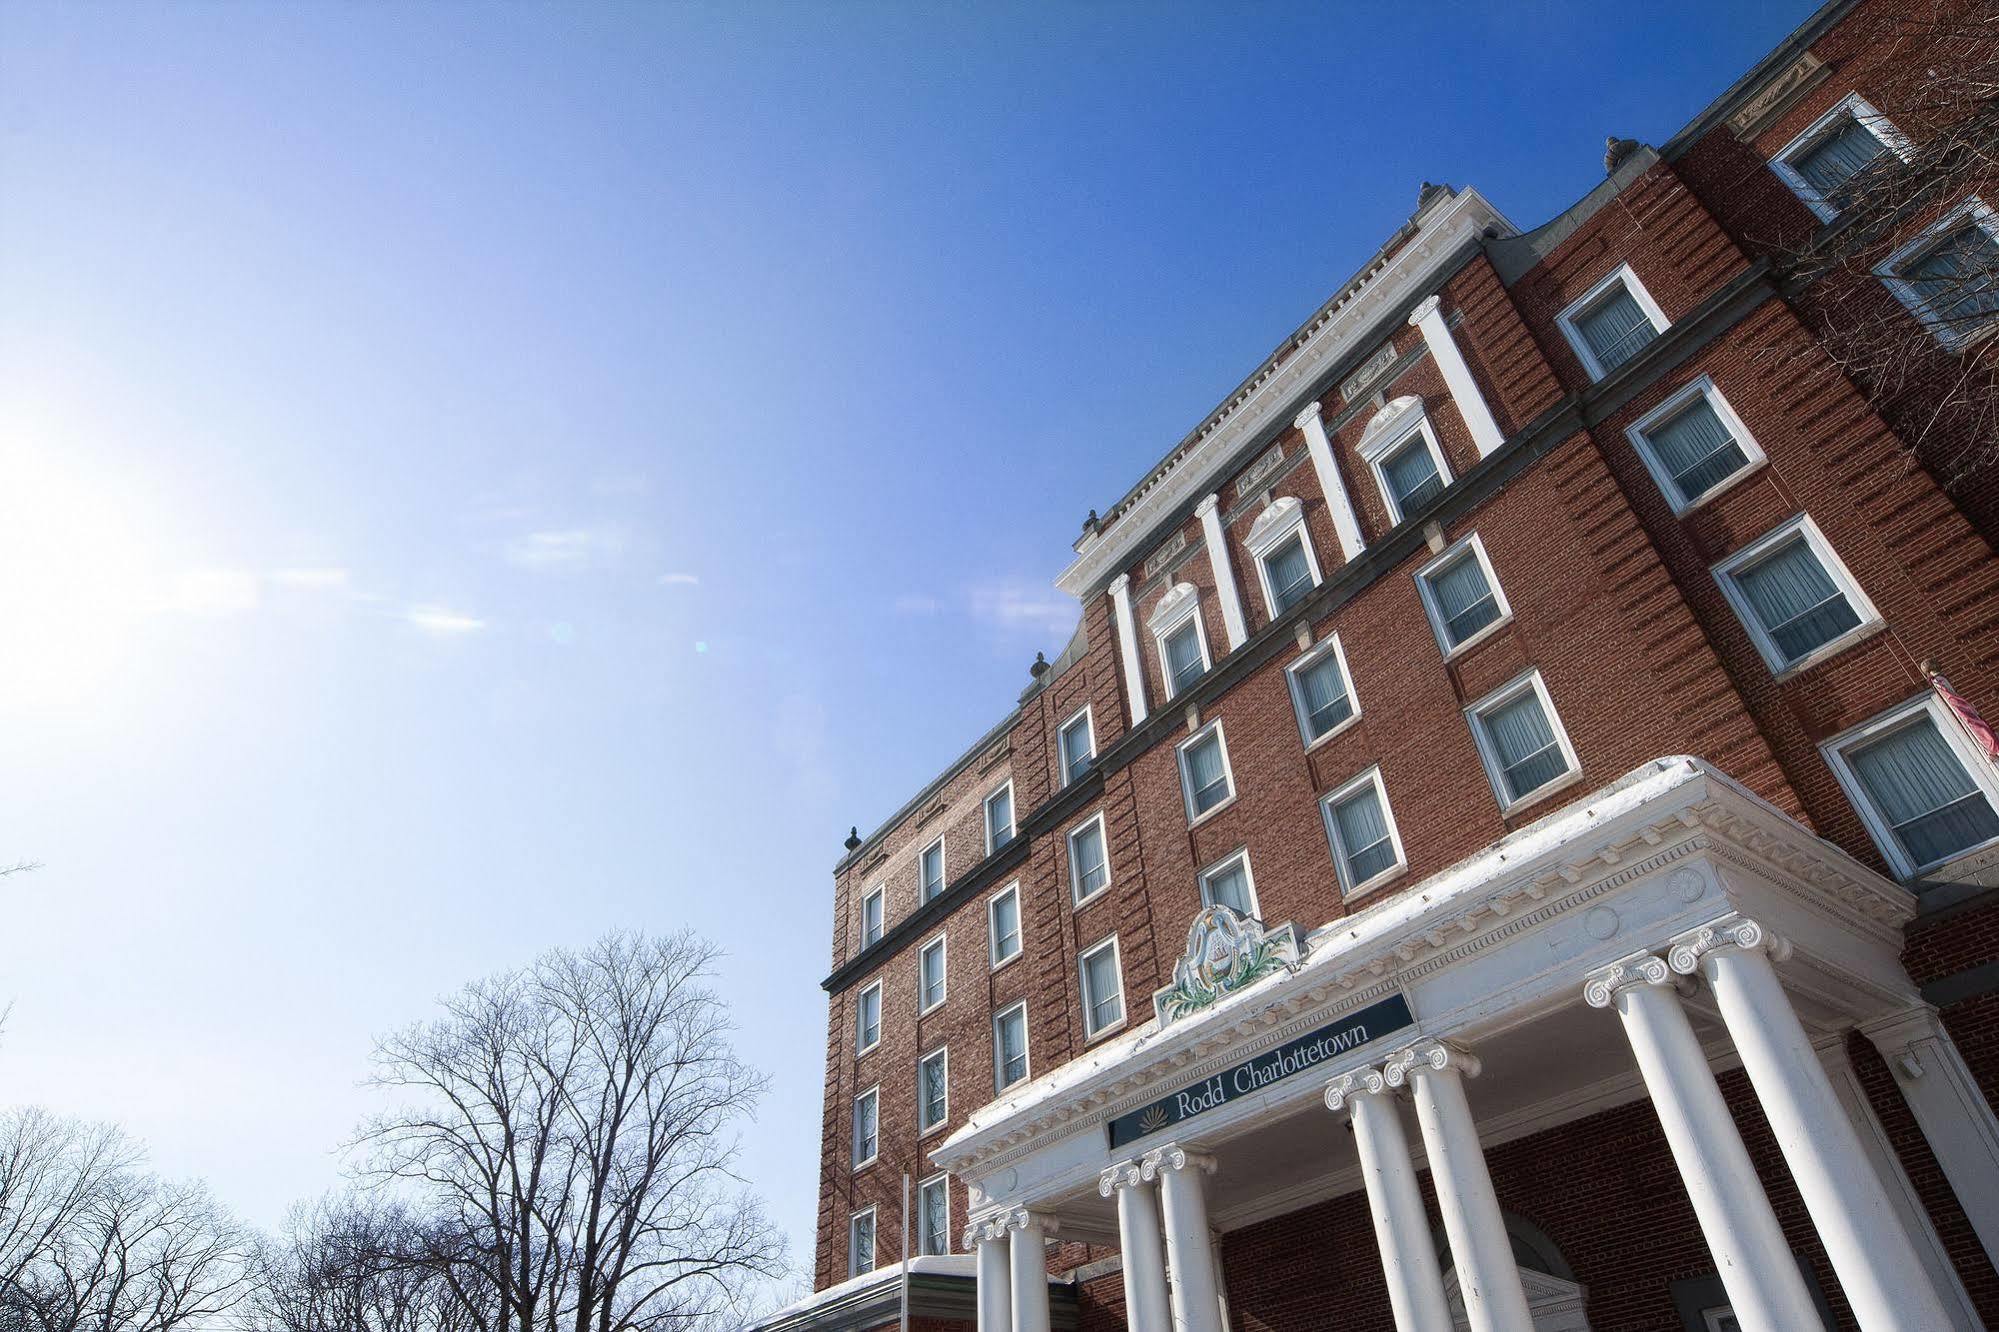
1424	309
1352	1085
1123	1175
1429	1057
986	1230
1600	987
1208	505
1685	951
1120	584
1023	1219
1306	415
1174	1158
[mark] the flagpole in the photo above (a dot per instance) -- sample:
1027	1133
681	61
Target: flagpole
904	1321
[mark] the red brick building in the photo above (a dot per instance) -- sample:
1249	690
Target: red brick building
1494	853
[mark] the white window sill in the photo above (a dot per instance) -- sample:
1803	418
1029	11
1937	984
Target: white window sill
936	1128
1212	810
866	1050
1377	883
1831	648
926	1012
1340	729
1111	1030
1078	903
1540	793
865	1164
1008	960
1940	869
1735	478
1453	653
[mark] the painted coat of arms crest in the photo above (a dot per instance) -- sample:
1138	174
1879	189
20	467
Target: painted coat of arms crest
1225	951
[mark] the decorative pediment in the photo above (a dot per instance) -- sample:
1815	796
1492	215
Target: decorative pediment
1225	952
1273	523
1176	605
1391	422
1555	1305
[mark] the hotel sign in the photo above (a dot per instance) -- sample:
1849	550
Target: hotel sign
1253	1075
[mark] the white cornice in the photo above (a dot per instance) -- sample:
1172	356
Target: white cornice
1340	328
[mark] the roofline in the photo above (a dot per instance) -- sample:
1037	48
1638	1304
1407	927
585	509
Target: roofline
1779	58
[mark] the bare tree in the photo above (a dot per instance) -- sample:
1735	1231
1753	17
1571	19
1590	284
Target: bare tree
573	1131
352	1263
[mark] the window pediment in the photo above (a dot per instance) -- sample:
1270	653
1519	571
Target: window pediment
1180	601
1273	524
1391	423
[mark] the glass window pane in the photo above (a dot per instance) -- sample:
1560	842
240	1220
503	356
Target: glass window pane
1795	599
1412	475
1523	744
1615	328
933	974
1322	694
1086	851
931	1092
934	1213
871	919
1229	887
933	871
1362	831
1464	599
1290	574
999	818
1922	791
1076	754
1010	1043
864	1128
1102	996
864	1243
1206	773
1696	449
1959	277
1836	159
1006	926
1183	657
869	1018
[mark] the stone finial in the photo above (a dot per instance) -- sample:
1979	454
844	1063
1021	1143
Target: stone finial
853	842
1615	150
1091	523
1040	666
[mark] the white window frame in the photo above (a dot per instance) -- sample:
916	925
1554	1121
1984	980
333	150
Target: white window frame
923	893
1329	646
873	987
1639	433
877	894
1529	679
1075	880
1984	775
942	1179
854	1268
854	1129
993	958
1026	1051
1566	320
1090	1032
1262	542
942	944
1186	782
942	1054
1852	107
1371	777
1377	451
1438	626
1005	788
1980	214
1241	853
1188	607
1835	569
1089	721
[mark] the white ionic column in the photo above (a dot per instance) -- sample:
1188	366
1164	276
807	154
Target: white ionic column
1481	1251
1429	320
1751	1255
1190	1248
1138	1228
1127	641
1401	1230
1218	560
1334	489
1871	1253
988	1239
1027	1257
1952	1112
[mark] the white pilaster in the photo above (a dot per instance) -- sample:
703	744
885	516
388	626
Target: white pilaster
1127	642
1401	1230
1871	1253
989	1240
1218	560
1950	1109
1190	1247
1330	484
1429	320
1481	1251
1138	1225
1028	1260
1757	1270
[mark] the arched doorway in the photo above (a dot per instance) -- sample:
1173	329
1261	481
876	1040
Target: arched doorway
1554	1298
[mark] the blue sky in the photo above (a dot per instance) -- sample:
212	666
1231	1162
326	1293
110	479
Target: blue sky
472	477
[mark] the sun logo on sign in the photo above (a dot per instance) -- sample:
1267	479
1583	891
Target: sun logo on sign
1152	1120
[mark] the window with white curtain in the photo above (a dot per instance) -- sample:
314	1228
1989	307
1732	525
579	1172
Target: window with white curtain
1186	660
1361	828
1077	741
930	870
1795	596
1924	790
1289	572
1281	548
933	1090
1204	771
868	1019
1321	693
1461	595
1948	277
1401	446
871	915
1003	925
930	975
1229	884
867	1126
999	818
1824	164
1521	740
1611	322
1410	476
1089	861
1694	444
861	1243
1103	988
1010	1046
933	1216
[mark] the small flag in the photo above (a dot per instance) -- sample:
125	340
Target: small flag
1975	725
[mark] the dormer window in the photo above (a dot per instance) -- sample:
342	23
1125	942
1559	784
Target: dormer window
1401	446
1612	322
1180	637
1825	163
1282	549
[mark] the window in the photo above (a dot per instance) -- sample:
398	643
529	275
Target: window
1823	164
861	1243
1694	444
868	1019
1361	828
999	818
871	915
1461	596
1526	752
1611	322
933	1090
930	975
933	1216
1721	1318
1003	925
1282	549
930	869
1321	693
867	1126
1010	1046
1103	989
1794	596
1078	742
1229	884
1089	862
1926	793
1401	447
1180	637
1204	772
1948	277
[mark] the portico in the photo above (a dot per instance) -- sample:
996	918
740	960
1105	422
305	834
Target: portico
1625	949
